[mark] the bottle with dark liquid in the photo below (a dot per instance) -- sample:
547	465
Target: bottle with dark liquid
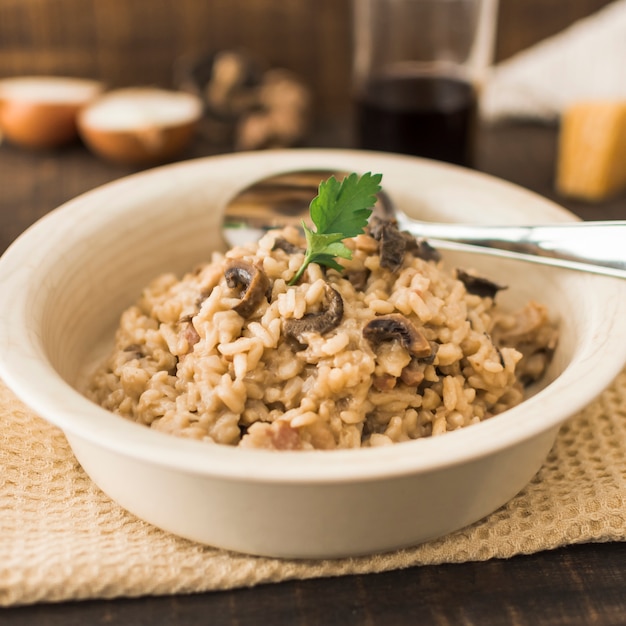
427	116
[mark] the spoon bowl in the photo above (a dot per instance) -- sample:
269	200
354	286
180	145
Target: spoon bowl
277	201
283	199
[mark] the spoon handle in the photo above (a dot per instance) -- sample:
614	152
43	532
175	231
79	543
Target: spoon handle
598	247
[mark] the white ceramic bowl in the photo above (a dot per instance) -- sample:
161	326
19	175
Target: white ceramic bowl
65	281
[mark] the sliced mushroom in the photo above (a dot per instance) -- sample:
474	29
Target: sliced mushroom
321	322
358	278
252	281
423	250
478	285
397	327
394	244
290	248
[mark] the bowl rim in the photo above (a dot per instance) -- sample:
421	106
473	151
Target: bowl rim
60	404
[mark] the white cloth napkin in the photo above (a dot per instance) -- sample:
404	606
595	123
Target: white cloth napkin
585	61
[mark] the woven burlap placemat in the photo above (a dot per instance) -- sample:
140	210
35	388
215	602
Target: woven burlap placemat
61	538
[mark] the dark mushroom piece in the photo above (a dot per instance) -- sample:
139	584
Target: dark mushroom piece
478	285
423	250
134	351
358	278
321	322
397	327
252	281
204	294
391	241
395	244
286	246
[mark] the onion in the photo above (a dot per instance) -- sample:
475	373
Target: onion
140	126
40	111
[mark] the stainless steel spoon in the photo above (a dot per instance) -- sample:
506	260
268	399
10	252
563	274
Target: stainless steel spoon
283	199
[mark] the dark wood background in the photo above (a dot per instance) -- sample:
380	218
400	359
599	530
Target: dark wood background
129	42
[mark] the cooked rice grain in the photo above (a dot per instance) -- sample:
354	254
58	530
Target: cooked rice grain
187	363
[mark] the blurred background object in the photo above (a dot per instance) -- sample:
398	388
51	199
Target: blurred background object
247	107
419	66
289	63
584	61
40	111
592	150
140	125
131	42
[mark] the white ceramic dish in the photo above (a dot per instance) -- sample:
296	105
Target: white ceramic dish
64	282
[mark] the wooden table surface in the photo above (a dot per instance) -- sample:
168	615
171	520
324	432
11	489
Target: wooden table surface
583	584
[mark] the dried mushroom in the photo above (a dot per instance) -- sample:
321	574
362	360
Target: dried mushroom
281	117
248	106
321	322
251	280
224	79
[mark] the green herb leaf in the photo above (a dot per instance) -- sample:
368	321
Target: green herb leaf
345	207
340	210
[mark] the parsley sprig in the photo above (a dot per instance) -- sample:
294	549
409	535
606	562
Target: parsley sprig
339	211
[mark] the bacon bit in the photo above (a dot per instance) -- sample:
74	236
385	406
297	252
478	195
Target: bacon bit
384	382
190	334
412	375
284	437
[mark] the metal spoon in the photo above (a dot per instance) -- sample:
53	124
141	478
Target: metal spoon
283	199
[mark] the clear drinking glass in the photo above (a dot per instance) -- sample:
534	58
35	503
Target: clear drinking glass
417	70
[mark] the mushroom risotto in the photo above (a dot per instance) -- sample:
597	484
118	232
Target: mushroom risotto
390	349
